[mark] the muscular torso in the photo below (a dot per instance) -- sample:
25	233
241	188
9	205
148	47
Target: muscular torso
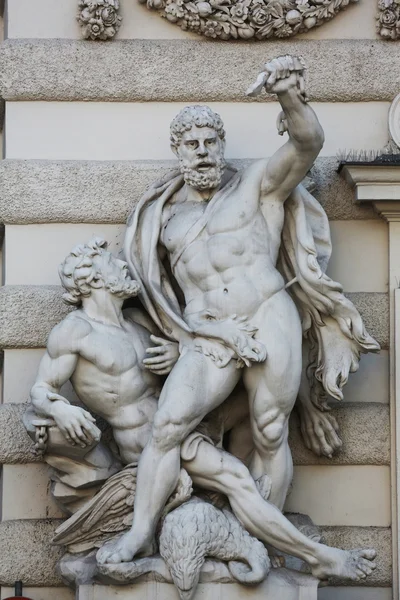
230	267
111	381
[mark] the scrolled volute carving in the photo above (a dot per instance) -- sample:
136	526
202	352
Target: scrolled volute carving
248	19
99	19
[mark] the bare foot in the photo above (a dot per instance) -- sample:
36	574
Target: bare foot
122	550
345	564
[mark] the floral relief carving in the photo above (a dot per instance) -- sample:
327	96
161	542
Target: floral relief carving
388	19
100	19
248	19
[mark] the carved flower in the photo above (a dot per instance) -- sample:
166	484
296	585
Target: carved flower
174	11
239	12
86	15
259	14
94	29
388	18
109	16
212	29
383	4
283	31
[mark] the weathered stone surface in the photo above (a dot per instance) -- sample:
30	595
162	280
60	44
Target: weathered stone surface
27	553
40	191
15	445
374	309
364	429
28	313
379	538
365	432
135	70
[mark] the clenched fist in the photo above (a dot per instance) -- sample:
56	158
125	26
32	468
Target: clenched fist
280	75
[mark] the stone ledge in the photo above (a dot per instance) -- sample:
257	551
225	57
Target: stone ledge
40	191
16	447
28	313
27	552
136	70
364	428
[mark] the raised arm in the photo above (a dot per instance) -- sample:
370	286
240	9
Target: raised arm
56	367
289	165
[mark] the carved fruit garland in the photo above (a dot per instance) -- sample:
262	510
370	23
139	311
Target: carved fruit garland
247	19
99	19
388	19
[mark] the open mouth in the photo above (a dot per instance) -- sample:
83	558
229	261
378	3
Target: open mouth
204	166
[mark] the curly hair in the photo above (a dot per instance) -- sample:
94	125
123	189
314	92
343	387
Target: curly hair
202	116
77	271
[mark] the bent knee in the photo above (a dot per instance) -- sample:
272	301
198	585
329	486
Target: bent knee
271	436
167	434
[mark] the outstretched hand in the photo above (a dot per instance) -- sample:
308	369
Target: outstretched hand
164	356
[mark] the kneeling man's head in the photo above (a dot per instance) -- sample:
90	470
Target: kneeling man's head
91	266
198	140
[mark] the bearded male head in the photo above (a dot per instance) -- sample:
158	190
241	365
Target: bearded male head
92	267
198	140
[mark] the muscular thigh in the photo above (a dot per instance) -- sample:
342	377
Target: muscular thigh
195	387
273	385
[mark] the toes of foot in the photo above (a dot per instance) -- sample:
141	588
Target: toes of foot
369	553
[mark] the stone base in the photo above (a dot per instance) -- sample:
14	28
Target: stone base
281	584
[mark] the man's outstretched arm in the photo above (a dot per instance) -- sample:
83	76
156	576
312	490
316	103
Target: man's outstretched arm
289	165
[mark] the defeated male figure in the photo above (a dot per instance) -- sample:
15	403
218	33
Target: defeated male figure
103	353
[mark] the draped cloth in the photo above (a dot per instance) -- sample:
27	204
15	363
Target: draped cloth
334	331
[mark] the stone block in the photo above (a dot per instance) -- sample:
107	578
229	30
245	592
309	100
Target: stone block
28	313
379	538
374	309
27	552
54	69
365	432
37	191
16	446
364	427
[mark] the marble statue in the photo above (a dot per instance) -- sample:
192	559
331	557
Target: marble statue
232	267
238	320
103	350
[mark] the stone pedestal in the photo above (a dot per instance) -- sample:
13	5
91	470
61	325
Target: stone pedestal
281	584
